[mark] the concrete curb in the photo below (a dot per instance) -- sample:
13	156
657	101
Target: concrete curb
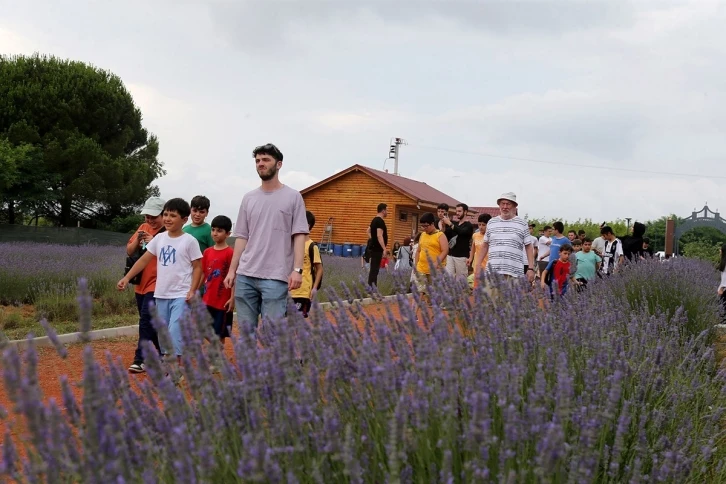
720	329
133	330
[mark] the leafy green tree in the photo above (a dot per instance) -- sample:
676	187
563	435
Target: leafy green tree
702	249
93	158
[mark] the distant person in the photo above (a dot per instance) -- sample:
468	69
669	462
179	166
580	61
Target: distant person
504	240
576	248
477	241
581	235
216	262
598	245
459	233
633	243
304	295
543	249
588	264
431	255
379	242
571	235
404	261
144	291
558	240
612	255
179	270
199	229
268	253
558	272
647	247
441	211
722	286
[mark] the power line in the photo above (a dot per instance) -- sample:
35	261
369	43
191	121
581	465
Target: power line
564	163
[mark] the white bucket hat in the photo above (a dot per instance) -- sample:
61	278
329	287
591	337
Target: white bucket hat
508	196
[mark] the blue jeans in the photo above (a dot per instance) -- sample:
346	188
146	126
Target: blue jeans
254	297
171	311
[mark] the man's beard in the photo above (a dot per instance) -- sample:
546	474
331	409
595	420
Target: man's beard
269	175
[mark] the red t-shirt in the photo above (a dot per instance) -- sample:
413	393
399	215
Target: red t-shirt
215	264
561	274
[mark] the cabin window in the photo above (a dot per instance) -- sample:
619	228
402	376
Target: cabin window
403	216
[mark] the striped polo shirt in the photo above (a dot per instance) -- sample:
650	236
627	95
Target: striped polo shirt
506	240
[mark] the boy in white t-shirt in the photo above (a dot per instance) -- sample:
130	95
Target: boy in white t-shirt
179	269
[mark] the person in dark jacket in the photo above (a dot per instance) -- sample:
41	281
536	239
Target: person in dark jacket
633	244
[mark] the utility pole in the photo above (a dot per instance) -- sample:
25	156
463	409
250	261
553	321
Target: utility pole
628	229
393	152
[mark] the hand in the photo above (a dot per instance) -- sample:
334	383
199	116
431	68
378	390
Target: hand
229	280
530	276
190	295
468	262
229	305
313	293
122	284
543	285
146	237
294	281
720	291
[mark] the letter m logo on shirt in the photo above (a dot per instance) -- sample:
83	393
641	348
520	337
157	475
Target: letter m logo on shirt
167	255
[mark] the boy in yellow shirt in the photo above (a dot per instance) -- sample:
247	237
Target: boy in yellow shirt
312	272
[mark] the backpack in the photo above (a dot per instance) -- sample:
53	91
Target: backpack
311	255
133	258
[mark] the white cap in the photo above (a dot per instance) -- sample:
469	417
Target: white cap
154	206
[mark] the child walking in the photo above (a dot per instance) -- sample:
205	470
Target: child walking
199	229
215	265
558	271
312	272
179	269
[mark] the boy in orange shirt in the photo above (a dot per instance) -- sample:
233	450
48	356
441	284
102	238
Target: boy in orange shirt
144	290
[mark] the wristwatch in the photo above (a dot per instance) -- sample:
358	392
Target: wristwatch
297	269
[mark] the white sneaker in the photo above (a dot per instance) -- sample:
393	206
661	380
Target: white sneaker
137	368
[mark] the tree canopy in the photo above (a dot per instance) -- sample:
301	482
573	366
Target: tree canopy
72	145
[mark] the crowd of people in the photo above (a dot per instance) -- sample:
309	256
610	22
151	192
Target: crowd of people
169	260
505	245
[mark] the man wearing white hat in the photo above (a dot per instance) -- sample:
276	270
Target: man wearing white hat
507	236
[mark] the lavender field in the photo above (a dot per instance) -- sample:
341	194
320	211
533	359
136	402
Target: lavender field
619	384
39	280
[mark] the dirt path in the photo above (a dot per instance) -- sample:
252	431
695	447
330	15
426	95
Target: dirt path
51	366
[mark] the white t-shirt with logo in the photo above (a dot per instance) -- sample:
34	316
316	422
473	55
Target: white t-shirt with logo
543	248
174	257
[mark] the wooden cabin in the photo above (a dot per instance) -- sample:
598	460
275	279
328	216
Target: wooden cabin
351	197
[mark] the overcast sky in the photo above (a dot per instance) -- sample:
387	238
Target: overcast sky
625	85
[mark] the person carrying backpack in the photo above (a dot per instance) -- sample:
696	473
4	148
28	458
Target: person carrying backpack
312	272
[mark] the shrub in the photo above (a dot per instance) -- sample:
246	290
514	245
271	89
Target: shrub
581	392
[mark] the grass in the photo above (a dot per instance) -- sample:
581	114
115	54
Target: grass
15	325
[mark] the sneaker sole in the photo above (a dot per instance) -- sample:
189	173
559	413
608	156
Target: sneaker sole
135	370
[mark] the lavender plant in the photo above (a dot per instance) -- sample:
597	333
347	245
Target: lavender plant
589	390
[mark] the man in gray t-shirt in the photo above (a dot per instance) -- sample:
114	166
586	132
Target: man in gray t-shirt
268	253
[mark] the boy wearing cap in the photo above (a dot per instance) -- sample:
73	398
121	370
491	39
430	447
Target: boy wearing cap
144	291
505	240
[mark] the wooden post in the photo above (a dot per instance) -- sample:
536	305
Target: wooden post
670	237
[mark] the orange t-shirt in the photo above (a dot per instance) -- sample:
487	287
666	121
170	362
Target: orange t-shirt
148	276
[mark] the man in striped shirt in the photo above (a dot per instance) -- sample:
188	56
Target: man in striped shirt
505	240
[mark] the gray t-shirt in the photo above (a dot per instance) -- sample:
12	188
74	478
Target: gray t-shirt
268	220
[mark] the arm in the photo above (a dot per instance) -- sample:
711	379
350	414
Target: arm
472	254
318	276
239	247
480	254
464	229
298	250
543	277
379	236
530	262
196	278
138	267
444	244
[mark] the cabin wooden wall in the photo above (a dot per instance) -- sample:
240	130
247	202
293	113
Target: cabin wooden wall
352	200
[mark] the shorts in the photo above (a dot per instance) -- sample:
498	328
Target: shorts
422	280
221	321
303	305
542	265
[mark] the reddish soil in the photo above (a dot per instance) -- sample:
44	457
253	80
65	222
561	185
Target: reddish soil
51	366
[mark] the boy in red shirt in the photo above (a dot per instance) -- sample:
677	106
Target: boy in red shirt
558	271
215	264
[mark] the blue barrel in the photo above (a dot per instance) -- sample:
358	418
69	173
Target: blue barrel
347	251
337	250
356	251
